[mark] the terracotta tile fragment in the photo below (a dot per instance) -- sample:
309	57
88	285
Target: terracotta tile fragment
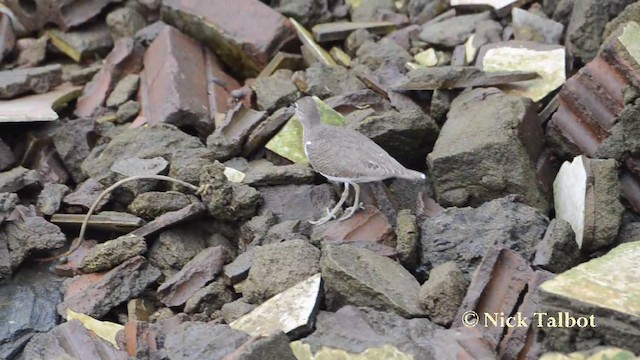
222	25
124	59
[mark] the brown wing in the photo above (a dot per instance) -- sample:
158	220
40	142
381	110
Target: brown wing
345	153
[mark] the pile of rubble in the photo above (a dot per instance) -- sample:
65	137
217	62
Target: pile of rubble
523	243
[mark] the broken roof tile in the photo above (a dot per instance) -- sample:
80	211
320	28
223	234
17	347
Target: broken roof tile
223	26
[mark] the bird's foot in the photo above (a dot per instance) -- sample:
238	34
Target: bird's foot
350	211
330	216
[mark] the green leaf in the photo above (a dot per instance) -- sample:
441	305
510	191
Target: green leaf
288	141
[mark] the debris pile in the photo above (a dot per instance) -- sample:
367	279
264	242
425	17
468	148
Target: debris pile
155	191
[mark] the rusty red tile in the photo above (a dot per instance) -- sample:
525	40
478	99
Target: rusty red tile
518	342
175	82
591	100
244	33
203	268
219	85
71	265
501	278
124	59
368	225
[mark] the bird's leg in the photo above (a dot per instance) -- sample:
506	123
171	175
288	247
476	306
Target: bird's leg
332	214
356	204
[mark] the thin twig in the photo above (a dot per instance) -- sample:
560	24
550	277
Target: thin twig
78	241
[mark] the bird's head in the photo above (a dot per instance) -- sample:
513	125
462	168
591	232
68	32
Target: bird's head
307	111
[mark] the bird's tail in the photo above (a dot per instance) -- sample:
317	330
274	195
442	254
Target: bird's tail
412	175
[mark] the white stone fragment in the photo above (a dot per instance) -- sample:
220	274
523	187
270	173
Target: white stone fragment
549	64
569	192
290	311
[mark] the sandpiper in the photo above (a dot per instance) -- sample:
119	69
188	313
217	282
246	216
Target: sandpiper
345	156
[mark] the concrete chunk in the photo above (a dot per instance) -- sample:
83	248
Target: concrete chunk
603	293
39	80
486	150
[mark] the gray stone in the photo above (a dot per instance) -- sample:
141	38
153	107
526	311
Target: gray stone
375	54
325	81
354	276
528	26
440	104
122	283
7	158
39	80
272	347
558	250
452	32
124	90
356	330
17	178
125	22
187	165
407	136
442	294
584	32
487	31
262	173
253	231
152	204
624	134
50	198
127	111
73	142
86	194
27	234
28	308
630	13
135	166
8	202
297	202
79	75
277	267
112	253
196	340
357	39
604	289
188	155
562	11
238	269
209	299
227	200
421	11
287	230
34	53
485	150
371	10
236	309
276	91
407	236
465	235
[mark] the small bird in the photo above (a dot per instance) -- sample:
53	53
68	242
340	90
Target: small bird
346	156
